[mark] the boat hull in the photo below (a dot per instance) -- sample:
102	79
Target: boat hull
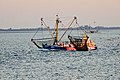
56	47
53	47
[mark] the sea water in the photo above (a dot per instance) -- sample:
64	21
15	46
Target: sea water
20	59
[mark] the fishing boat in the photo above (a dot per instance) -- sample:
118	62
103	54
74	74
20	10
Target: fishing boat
92	31
73	43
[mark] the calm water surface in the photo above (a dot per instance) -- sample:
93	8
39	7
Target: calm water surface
21	60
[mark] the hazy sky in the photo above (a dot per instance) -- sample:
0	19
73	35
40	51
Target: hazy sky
27	13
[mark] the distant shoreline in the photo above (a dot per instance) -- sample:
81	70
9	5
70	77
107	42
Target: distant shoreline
25	30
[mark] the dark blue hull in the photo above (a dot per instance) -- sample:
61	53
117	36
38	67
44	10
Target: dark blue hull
53	47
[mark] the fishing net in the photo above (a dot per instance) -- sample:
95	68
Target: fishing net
39	42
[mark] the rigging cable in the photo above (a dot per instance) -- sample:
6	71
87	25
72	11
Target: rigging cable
38	29
75	18
47	27
35	33
81	28
71	29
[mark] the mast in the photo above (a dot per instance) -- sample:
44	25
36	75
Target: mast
56	30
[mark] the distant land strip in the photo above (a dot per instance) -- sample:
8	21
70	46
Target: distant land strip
81	27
